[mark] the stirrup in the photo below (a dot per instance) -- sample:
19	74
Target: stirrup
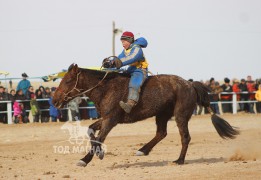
125	106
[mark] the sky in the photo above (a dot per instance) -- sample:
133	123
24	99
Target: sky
196	39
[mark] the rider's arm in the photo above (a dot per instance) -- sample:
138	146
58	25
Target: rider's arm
135	55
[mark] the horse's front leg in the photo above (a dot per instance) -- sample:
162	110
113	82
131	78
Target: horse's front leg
94	127
91	135
105	128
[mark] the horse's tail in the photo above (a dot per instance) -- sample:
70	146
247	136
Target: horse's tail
224	129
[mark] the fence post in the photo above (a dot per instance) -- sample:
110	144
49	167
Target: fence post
234	104
9	113
69	114
220	107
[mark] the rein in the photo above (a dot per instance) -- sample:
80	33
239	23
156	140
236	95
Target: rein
66	95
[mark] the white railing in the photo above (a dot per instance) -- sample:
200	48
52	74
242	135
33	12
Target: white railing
234	103
9	109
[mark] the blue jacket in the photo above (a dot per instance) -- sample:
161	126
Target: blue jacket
24	85
134	55
53	110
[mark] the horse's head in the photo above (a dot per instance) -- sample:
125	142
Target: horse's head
68	88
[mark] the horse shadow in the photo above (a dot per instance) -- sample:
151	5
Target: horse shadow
169	163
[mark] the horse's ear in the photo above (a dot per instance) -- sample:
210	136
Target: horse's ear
70	67
75	68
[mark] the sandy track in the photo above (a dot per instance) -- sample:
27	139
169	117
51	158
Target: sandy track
30	151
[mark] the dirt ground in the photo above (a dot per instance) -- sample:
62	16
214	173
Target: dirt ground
40	151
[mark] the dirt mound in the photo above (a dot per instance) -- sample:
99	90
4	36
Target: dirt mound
248	153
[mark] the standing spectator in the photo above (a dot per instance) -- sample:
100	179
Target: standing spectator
73	105
3	106
44	94
25	118
10	84
236	88
258	82
227	88
244	95
23	84
12	95
92	111
54	112
214	96
12	98
53	89
39	96
29	92
63	112
35	110
19	95
47	92
251	89
258	98
83	112
249	78
45	115
28	96
17	113
64	115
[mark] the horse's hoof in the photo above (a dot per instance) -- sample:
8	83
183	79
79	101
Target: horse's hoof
140	153
178	162
81	163
101	155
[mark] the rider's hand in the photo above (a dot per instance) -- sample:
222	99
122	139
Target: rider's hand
106	63
117	62
112	62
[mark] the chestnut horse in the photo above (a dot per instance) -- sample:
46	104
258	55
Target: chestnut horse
162	96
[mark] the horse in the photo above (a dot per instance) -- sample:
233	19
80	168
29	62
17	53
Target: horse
162	96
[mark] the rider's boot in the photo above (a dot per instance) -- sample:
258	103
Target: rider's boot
127	107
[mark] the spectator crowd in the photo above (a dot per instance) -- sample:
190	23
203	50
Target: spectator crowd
245	89
38	101
26	99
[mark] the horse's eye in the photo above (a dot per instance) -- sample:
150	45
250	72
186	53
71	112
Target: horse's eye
68	80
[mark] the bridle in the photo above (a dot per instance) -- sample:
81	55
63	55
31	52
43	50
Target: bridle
67	97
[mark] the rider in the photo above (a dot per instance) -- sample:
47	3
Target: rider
133	56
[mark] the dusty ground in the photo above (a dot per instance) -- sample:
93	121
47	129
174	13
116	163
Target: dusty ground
35	151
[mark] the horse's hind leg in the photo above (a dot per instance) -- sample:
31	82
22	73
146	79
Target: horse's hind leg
161	133
182	124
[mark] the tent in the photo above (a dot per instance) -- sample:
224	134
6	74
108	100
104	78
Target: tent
5	74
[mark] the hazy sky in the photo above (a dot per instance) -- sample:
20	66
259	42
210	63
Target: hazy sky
195	39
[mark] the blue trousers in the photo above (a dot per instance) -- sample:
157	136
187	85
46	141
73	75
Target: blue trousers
138	76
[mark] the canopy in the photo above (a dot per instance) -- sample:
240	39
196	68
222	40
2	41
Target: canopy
4	73
53	77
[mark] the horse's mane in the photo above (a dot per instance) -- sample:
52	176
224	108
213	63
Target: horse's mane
101	73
